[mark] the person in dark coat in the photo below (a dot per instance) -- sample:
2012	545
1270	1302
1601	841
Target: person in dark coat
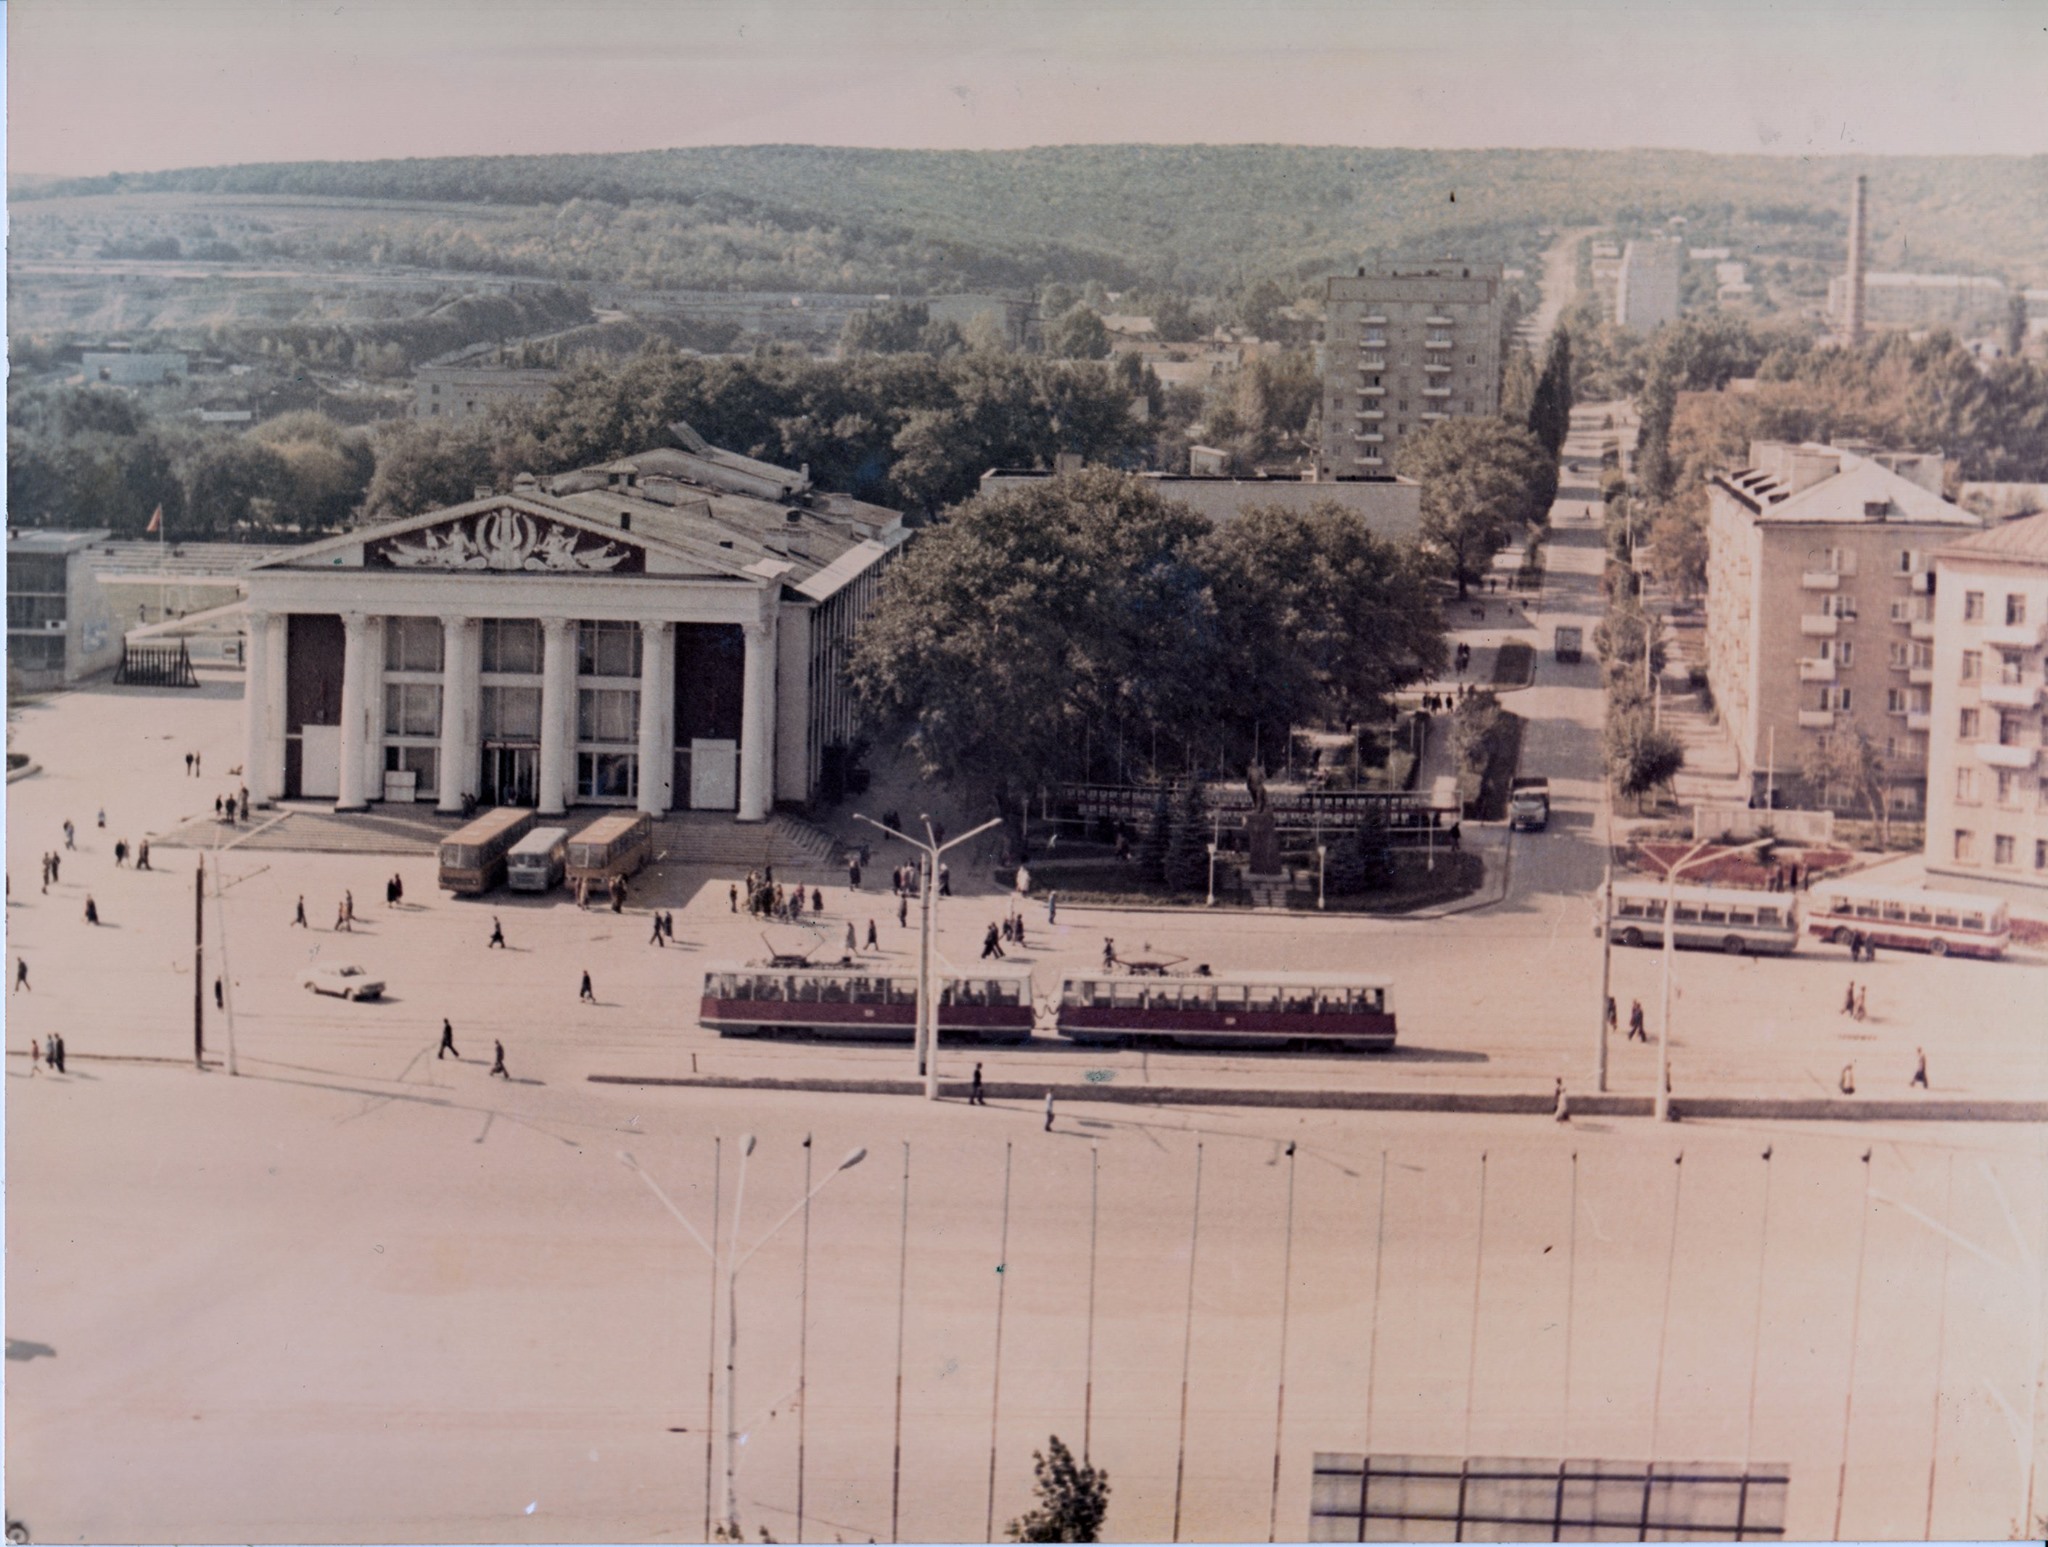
447	1042
497	934
1919	1069
92	910
975	1097
874	940
586	993
991	944
498	1060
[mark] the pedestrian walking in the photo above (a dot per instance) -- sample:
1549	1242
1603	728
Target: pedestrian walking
945	880
975	1098
497	934
732	896
142	856
55	1053
668	926
447	1042
1052	906
1108	953
120	853
21	975
348	905
219	999
1919	1069
397	887
92	910
1048	1111
1636	1029
586	993
1613	1016
817	900
902	911
1849	997
874	941
1017	928
56	866
299	913
188	765
70	838
46	875
990	944
1861	993
217	813
852	945
35	1057
498	1060
1848	1080
198	759
390	898
655	938
1870	950
853	875
341	919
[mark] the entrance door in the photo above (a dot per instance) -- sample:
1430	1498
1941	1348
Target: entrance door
510	775
320	762
714	775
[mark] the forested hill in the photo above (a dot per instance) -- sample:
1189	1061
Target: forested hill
1202	218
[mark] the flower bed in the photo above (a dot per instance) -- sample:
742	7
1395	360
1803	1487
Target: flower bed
1729	868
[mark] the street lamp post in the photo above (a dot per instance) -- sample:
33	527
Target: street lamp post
735	1261
926	1036
1692	856
1212	877
1322	857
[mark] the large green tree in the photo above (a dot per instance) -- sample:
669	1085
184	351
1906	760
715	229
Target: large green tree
1483	482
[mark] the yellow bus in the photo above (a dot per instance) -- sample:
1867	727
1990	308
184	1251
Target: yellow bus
473	856
611	846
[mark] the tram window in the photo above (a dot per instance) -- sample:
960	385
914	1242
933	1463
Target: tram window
1231	998
1919	916
768	989
805	990
1101	995
867	990
1632	908
1945	920
948	993
834	991
1333	1001
1196	996
1713	913
1075	993
1374	1000
1129	994
1744	917
1262	998
1005	993
1895	912
903	991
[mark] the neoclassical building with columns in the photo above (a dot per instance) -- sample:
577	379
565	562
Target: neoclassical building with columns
665	631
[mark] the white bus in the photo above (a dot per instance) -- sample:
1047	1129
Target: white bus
1719	918
1908	920
536	862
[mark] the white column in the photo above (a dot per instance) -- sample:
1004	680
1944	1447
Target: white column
458	691
757	724
256	705
657	715
271	769
373	709
355	667
557	703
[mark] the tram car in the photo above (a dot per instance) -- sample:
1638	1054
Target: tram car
866	1003
1310	1011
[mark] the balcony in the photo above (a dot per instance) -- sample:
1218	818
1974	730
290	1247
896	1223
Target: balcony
1373	391
1437	370
2009	695
1376	320
1816	719
1441	322
1371	460
1436	391
1820	580
1373	437
1430	415
1918	720
1819	625
1920	676
1922	628
1372	362
1439	343
1816	671
2015	636
1997	755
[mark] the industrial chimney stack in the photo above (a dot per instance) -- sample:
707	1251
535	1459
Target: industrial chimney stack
1852	320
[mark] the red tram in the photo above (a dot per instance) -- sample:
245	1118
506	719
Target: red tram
1353	1012
863	1003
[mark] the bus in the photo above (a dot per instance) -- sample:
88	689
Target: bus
1349	1011
536	862
611	846
473	856
1939	923
868	1003
1720	918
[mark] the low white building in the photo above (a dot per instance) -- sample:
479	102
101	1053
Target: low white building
668	630
1987	793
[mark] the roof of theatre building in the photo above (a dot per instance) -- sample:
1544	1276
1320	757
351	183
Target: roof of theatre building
722	514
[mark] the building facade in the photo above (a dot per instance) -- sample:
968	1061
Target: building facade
1820	614
462	392
60	625
1963	301
1405	345
669	630
1987	789
1646	286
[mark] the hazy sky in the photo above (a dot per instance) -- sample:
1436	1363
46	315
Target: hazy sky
130	85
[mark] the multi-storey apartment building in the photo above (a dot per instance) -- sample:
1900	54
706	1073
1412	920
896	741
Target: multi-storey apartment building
1646	289
1987	789
1820	590
1405	345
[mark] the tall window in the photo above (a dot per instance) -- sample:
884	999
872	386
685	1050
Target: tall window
2008	787
412	709
607	715
1966	846
2015	608
511	645
2002	849
509	713
1973	665
1966	786
1973	606
607	649
2009	729
1968	725
412	644
2011	668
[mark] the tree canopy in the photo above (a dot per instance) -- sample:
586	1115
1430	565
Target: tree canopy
1483	481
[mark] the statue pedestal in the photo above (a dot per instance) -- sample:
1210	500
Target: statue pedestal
1263	839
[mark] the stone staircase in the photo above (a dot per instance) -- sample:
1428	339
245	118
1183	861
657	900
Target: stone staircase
1272	892
713	838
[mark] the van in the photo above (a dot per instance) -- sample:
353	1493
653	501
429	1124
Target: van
537	862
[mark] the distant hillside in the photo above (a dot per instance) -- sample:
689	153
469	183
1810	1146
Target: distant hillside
1202	218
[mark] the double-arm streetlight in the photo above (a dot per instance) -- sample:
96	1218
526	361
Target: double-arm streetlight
735	1260
1691	857
926	1036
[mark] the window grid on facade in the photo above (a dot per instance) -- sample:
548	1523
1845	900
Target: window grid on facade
511	646
1966	846
1973	606
607	649
412	644
412	709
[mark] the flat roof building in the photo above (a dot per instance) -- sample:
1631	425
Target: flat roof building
461	392
666	630
1820	606
60	628
1646	288
1987	792
1405	345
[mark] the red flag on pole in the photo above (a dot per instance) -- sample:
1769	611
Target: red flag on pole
156	521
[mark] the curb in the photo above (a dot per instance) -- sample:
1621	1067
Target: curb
1534	1104
127	1058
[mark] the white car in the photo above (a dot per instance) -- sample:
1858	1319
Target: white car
346	982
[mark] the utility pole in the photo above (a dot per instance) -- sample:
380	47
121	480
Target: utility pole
199	965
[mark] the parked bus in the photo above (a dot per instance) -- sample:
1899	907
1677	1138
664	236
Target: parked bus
1350	1011
473	856
866	1003
1908	920
1717	918
536	862
611	846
